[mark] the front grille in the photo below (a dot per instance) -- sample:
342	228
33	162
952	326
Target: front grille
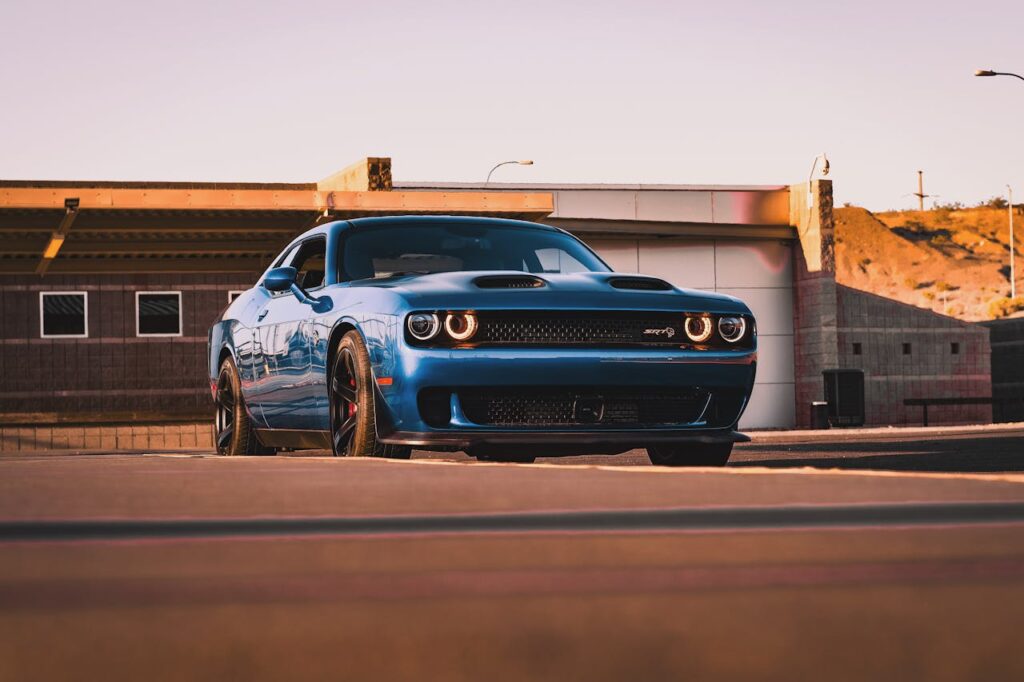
579	328
567	407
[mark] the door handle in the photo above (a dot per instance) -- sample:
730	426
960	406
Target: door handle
263	313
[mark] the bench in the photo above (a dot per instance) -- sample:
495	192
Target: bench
981	400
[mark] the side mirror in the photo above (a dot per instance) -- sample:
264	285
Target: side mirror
280	279
283	279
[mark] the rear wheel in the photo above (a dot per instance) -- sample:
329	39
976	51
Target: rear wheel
690	454
353	422
233	433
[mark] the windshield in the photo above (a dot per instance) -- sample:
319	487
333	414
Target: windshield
391	250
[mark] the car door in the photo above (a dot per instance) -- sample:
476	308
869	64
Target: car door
286	396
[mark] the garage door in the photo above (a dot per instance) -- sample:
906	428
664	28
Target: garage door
760	272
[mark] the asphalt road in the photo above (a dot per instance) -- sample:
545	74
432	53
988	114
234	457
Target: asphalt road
798	561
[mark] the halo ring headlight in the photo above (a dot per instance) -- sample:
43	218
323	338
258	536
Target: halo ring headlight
732	328
460	326
423	326
698	328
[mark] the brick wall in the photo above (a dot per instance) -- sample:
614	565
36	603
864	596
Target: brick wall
112	370
814	293
931	370
31	438
814	333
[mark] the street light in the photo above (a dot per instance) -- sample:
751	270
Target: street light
524	162
985	73
1013	274
825	167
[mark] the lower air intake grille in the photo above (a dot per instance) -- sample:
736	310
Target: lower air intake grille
615	407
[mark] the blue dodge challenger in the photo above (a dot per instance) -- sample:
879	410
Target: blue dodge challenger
506	339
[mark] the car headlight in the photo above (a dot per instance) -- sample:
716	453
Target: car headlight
698	328
732	328
460	326
423	326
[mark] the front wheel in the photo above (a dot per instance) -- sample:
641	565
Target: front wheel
353	424
690	454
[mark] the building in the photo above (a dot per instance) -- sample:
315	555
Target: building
107	290
1007	338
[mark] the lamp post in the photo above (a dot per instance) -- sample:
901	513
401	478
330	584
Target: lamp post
524	162
1013	274
985	73
825	167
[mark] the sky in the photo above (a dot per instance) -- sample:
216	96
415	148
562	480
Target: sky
642	91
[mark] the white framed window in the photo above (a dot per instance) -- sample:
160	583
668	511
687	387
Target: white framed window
234	293
63	314
158	313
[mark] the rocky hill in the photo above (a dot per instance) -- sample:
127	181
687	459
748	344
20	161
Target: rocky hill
951	261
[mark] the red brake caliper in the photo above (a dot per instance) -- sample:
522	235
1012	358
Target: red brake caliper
352	407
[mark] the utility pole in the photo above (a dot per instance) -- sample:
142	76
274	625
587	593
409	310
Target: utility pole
921	196
1013	273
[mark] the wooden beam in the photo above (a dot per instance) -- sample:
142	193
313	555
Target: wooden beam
52	247
339	202
77	246
94	266
106	198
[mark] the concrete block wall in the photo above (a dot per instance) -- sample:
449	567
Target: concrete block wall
28	438
112	369
930	370
814	294
1007	340
814	334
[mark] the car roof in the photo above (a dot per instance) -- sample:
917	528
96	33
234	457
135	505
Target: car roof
444	219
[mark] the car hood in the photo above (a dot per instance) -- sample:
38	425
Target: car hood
451	290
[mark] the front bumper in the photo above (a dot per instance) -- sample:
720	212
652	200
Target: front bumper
633	437
413	369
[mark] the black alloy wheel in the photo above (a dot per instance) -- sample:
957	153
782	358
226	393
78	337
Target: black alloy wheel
353	424
345	405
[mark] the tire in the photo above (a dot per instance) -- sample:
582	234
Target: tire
690	454
353	424
233	433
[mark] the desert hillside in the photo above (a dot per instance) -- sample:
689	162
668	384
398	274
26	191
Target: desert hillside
952	261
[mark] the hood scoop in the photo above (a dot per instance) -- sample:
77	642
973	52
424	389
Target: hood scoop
508	282
640	283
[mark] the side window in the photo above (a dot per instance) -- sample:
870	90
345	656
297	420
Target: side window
558	261
311	262
284	257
